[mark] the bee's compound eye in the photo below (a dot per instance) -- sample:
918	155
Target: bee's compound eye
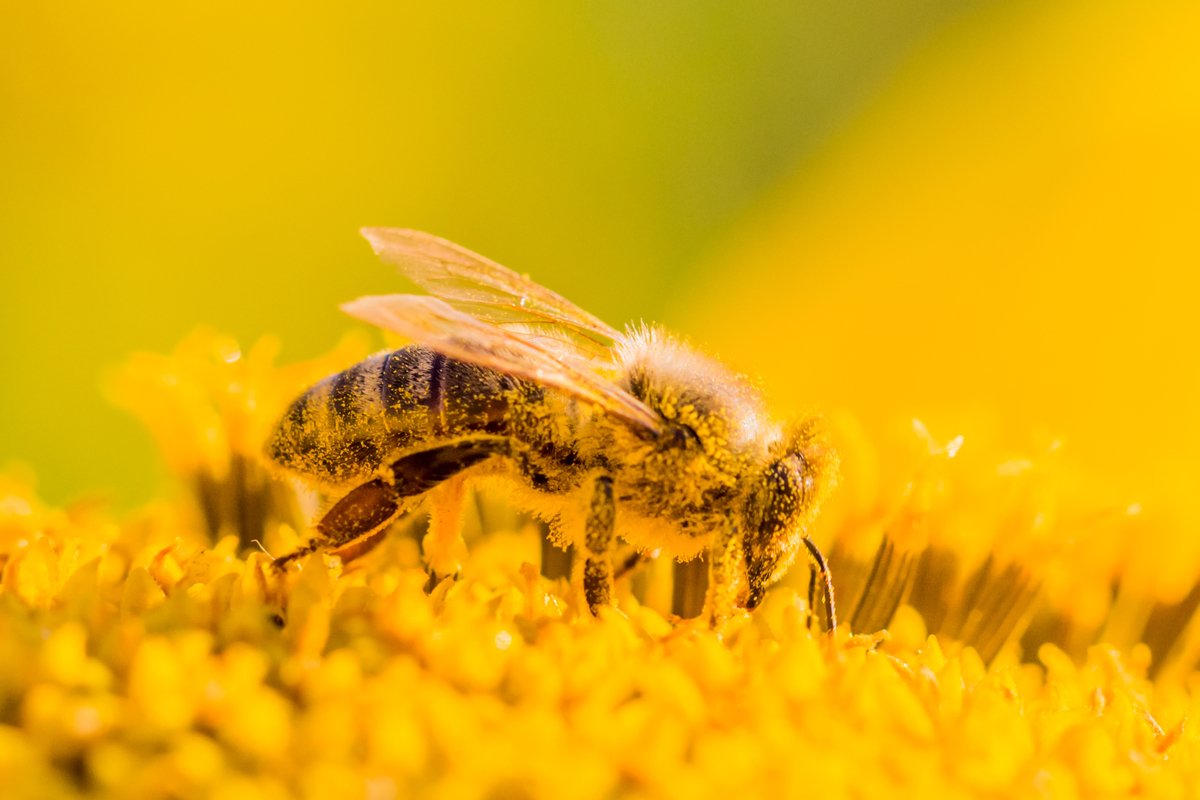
781	495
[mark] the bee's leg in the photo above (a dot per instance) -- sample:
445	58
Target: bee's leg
419	472
362	510
627	566
812	597
722	570
443	546
300	552
371	505
437	469
819	566
359	547
598	541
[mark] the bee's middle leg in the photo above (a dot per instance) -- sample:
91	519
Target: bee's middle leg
598	542
820	567
444	547
438	471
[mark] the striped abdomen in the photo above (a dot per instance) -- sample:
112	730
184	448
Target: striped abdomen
343	428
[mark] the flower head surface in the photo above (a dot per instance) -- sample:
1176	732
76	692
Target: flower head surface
149	656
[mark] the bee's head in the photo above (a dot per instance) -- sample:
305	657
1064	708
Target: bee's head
782	501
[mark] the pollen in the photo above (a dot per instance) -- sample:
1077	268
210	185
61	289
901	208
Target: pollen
157	654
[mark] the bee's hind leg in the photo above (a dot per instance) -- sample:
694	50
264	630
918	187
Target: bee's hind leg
598	542
363	509
438	472
309	547
371	505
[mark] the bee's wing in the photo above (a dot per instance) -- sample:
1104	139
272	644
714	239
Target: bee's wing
437	324
485	290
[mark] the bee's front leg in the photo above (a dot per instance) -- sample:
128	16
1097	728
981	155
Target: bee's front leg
820	568
598	542
723	559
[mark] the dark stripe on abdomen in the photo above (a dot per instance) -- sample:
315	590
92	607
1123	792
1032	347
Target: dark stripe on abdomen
405	379
437	390
457	396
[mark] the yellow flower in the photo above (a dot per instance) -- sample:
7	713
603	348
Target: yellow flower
211	407
141	657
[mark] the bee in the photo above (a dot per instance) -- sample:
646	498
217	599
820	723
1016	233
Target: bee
606	435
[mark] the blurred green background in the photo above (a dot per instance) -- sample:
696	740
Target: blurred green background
163	167
981	213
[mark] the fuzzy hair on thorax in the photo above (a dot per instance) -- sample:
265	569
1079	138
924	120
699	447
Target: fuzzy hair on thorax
659	368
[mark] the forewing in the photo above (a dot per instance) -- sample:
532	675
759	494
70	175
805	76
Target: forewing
484	289
433	322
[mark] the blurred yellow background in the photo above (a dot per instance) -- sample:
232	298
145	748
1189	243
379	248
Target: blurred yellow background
1005	244
980	214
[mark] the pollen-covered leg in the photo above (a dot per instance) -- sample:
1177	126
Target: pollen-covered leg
362	510
598	541
723	558
444	547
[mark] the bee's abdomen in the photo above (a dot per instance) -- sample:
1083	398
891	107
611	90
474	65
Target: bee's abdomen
343	428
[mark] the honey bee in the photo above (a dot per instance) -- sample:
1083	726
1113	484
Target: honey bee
605	434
